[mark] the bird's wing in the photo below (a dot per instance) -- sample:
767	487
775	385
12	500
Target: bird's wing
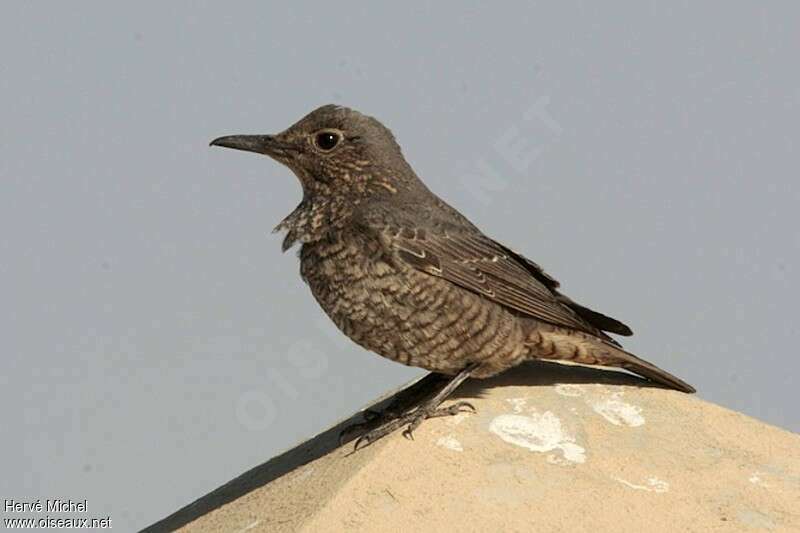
469	259
594	318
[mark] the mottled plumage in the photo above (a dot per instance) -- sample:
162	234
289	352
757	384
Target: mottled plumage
407	276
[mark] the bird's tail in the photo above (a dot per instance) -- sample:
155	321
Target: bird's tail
551	342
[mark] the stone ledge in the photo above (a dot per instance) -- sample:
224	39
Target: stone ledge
552	448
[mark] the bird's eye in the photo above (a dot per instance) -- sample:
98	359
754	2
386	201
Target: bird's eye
327	140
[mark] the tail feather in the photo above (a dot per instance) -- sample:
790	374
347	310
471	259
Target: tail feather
628	361
551	342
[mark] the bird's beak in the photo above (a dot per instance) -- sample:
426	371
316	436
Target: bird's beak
260	144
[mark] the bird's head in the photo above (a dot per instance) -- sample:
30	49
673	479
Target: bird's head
335	152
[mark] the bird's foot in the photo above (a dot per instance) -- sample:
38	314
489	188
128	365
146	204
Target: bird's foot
373	418
399	412
413	419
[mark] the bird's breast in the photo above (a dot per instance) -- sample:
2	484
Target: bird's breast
348	275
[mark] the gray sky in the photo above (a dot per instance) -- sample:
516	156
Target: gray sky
157	343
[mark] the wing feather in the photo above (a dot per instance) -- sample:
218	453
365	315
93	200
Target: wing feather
469	259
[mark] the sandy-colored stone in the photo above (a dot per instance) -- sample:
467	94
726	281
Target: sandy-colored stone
552	448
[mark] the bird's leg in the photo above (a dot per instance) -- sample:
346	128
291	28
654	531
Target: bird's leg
401	403
429	409
405	400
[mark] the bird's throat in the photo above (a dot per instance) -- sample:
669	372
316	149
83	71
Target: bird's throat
313	218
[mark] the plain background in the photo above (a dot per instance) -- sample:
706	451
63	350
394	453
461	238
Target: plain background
156	343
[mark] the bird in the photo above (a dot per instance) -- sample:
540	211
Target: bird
407	276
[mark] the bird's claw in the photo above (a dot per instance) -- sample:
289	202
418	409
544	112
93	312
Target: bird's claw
461	407
413	420
363	439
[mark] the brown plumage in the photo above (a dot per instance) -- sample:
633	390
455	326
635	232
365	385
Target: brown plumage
407	276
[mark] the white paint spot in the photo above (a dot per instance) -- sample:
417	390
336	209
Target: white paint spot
566	389
653	485
517	404
451	443
618	412
755	479
658	484
538	433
